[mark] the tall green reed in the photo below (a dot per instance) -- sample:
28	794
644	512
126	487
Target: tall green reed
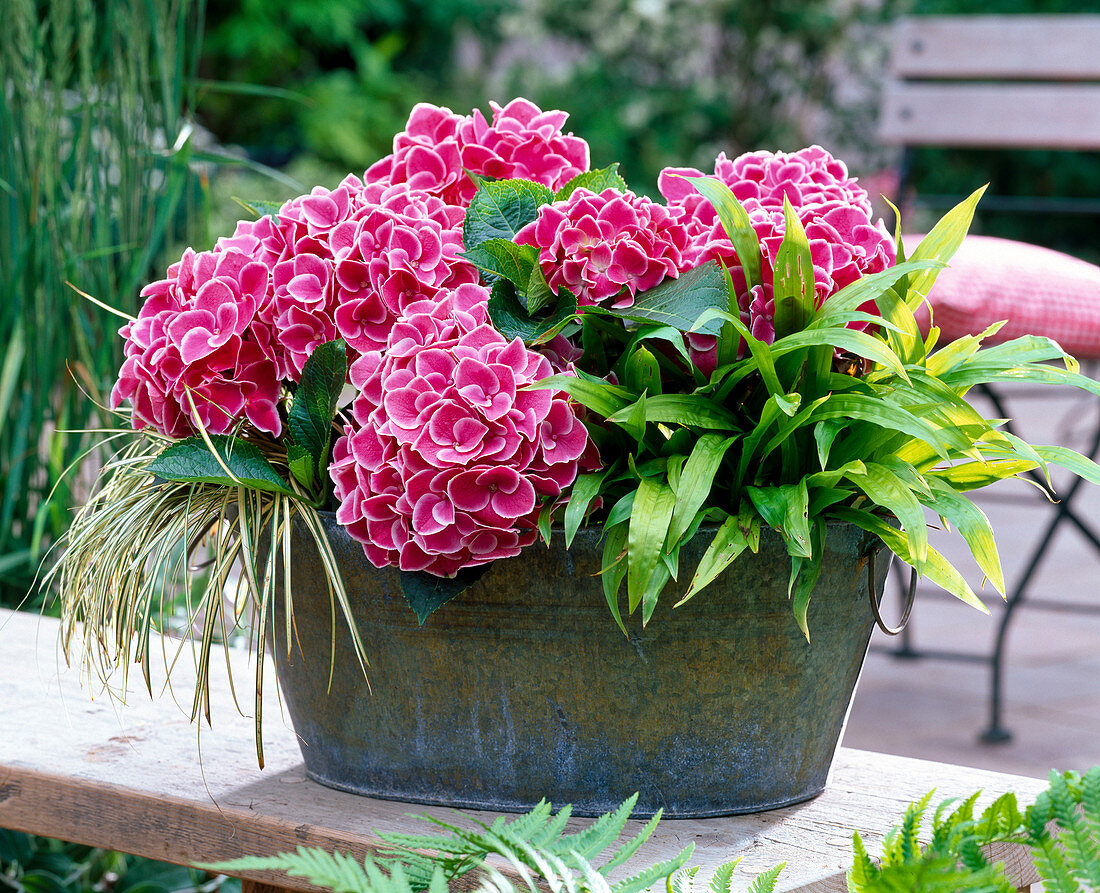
96	181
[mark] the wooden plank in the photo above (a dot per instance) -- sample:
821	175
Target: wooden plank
140	778
1020	47
1016	115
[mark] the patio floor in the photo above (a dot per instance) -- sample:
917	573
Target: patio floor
936	709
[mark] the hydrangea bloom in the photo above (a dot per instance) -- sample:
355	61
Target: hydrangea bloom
198	333
599	246
834	210
450	456
345	262
437	147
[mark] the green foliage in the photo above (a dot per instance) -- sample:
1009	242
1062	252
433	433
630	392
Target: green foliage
534	847
426	593
333	79
827	422
311	416
232	462
157	501
30	864
96	179
1061	831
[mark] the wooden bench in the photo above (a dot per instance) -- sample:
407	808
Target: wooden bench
1002	82
139	778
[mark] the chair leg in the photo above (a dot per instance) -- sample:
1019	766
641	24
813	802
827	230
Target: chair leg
996	732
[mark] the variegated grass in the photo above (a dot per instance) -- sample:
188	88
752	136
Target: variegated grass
137	536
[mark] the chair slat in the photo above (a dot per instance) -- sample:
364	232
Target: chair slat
1049	116
1059	48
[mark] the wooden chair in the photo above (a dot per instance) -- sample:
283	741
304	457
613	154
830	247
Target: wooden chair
1004	82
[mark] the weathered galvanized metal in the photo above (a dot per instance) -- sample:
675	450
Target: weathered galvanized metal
524	687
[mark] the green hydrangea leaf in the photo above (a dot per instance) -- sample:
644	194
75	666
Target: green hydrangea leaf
260	207
680	302
317	399
503	257
427	593
302	465
501	208
513	320
594	181
237	464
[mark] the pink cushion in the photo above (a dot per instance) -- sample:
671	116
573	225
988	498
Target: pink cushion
1039	292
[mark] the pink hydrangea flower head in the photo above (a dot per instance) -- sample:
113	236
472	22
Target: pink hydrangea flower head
835	211
451	454
523	142
197	338
610	245
438	147
426	155
403	249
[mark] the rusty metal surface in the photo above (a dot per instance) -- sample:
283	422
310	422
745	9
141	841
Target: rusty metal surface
524	688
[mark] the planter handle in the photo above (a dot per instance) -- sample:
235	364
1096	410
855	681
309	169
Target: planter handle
909	599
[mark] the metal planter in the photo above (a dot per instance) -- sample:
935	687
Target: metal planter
524	688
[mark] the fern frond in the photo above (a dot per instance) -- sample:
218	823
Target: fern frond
1038	814
336	871
908	835
528	825
1090	800
551	831
594	881
647	878
682	881
1079	845
603	832
1052	868
722	881
629	848
765	881
863	871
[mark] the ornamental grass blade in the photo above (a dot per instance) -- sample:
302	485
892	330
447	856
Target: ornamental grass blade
735	220
786	509
585	488
981	473
804	577
1071	460
614	568
940	245
972	523
728	544
643	372
853	341
888	491
599	396
868	288
902	332
794	277
879	411
696	480
647	530
691	410
937	568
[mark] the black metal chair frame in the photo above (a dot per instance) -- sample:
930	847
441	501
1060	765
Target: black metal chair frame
996	731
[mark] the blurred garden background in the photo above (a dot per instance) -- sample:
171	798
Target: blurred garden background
129	127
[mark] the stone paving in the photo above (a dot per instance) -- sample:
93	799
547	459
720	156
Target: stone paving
936	709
